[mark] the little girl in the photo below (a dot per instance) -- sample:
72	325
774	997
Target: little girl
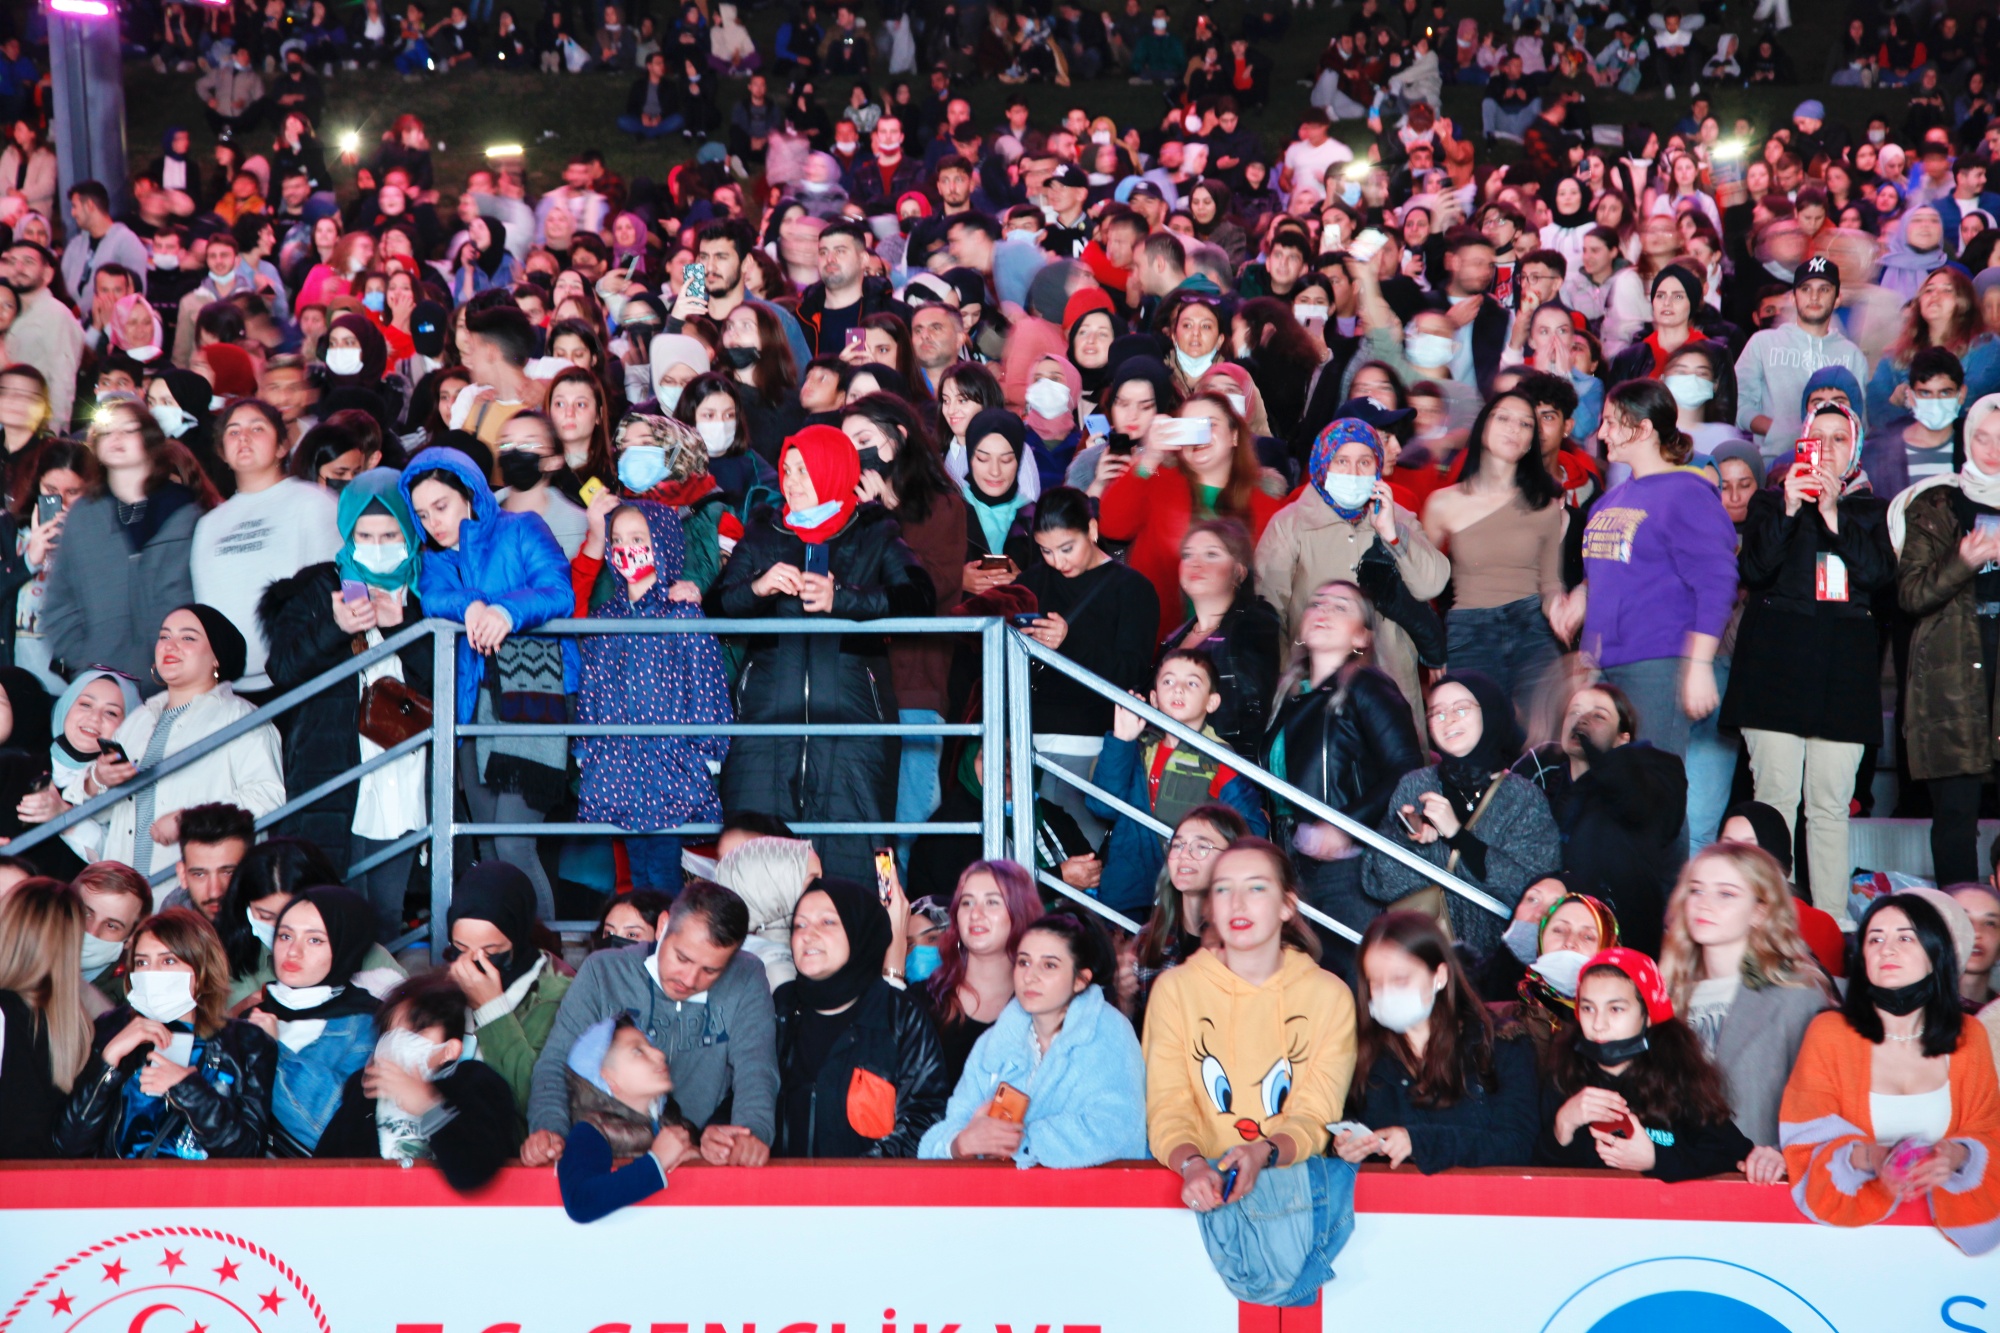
650	782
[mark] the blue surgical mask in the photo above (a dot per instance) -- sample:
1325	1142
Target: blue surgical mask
812	518
1194	366
173	419
1350	492
670	396
375	301
1690	391
381	558
1936	413
642	467
923	960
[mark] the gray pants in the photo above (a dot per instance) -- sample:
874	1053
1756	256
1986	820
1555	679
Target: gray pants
487	806
1654	686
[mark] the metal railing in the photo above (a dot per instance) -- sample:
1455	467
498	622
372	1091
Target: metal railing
1006	726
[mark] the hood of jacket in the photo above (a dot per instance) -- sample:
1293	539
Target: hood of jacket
439	458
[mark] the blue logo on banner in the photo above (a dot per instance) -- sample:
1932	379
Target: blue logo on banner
1682	1292
1676	1311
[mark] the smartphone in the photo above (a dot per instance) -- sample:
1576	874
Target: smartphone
46	508
1118	444
1024	619
1617	1129
818	558
995	564
1228	1183
1367	245
113	751
885	873
1986	524
1409	826
42	783
1097	425
1009	1103
1180	432
857	339
694	280
1806	453
589	491
353	591
1347	1127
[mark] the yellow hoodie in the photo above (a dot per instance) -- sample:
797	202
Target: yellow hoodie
1229	1063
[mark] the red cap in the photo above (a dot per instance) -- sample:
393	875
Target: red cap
1645	977
1082	302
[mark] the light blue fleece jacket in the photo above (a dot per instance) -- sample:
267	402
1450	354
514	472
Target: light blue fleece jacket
1086	1095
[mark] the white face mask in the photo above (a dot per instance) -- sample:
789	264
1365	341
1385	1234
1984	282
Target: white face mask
173	419
381	558
343	360
1240	403
410	1050
716	436
1350	491
1561	970
1520	939
1048	398
670	397
1690	391
1400	1010
266	932
1302	313
301	997
1429	349
1935	413
98	955
159	995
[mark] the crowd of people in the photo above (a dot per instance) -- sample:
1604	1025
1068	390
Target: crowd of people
1564	515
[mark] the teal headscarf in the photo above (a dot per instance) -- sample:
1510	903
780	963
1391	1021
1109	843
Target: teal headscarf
378	488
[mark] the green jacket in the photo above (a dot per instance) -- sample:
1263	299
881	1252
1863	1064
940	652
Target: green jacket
510	1043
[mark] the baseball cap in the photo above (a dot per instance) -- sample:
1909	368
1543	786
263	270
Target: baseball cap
1071	176
427	321
1819	266
1145	189
1394	420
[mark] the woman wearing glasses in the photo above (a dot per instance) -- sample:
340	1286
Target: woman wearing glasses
1180	925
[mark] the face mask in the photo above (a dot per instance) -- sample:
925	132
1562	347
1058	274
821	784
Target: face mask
410	1050
921	963
1159	25
336	484
1240	403
1350	193
520	468
161	996
845	150
670	398
633	562
375	301
1690	391
716	436
266	932
1048	398
1401	1010
1899	1001
1429	349
343	360
1100	136
1191	366
142	355
1936	413
812	518
1303	313
1612	1052
1560	970
98	955
1520	940
173	419
381	558
894	145
742	358
166	261
1350	492
1877	136
642	467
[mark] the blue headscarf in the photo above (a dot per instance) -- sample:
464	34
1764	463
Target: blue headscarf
382	489
1345	430
65	759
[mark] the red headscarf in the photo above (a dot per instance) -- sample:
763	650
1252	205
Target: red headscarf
835	467
1644	974
235	373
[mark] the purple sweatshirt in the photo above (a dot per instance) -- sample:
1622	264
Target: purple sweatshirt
1660	555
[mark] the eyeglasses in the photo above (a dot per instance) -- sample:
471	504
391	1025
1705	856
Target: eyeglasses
1457	714
1198	848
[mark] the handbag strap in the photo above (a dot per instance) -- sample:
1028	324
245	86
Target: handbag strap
1451	862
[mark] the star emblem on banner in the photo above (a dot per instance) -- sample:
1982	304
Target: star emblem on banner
168	1279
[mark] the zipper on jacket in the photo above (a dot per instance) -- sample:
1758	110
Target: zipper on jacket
805	742
875	694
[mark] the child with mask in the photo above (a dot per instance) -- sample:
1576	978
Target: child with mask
419	1098
650	782
620	1105
1631	1089
1146	768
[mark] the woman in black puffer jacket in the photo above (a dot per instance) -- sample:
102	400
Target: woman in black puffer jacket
1343	734
871	575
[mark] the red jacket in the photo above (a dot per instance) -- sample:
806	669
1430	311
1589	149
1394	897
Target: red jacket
1153	514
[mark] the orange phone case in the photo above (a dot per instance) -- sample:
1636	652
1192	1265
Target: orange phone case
1009	1103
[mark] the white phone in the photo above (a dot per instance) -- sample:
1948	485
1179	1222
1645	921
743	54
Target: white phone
180	1049
1180	432
1340	1127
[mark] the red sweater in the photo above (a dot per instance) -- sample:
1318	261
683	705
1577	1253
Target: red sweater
1153	514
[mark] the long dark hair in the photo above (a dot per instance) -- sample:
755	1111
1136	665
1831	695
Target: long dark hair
1942	1016
275	865
974	381
1163	940
1531	476
1088	947
1649	400
1461	1031
1672	1080
53	455
158	456
916	472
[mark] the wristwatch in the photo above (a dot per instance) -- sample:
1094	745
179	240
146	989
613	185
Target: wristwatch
1272	1160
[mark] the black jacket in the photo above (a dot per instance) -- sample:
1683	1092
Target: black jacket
1621	829
864	182
226	1101
1786	625
1486	1127
1244	648
1347	747
30	1101
477	1138
1690	1149
891	1037
296	615
877	297
820	678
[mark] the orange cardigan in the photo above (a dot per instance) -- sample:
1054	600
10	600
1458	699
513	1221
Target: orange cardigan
1825	1113
1154	513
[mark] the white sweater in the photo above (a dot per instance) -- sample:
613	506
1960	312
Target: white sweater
247	543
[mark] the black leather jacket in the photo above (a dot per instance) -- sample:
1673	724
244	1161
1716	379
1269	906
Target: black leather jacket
1351	755
226	1102
1244	649
889	1036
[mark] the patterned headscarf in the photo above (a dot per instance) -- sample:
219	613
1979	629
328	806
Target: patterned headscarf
1534	989
1854	478
687	457
1346	430
1644	975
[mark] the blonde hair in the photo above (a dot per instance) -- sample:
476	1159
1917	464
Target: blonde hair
193	940
1774	955
41	939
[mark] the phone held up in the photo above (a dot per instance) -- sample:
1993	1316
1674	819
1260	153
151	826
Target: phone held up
46	508
885	873
818	558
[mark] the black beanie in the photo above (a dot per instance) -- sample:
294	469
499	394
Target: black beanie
232	654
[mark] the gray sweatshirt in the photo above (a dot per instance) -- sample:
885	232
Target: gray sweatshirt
720	1046
1771	378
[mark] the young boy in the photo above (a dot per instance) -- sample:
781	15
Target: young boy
619	1107
417	1100
1147	769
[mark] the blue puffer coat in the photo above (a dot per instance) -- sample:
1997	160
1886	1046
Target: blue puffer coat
506	560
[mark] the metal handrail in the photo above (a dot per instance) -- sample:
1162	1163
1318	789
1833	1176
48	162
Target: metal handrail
1030	650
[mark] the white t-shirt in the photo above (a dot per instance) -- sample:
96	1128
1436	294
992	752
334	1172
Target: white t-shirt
250	542
1709	1006
1309	164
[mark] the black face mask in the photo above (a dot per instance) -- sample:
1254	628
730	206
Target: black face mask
520	469
336	484
871	461
1612	1052
1902	1000
742	357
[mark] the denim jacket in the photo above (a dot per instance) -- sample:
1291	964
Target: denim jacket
310	1080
